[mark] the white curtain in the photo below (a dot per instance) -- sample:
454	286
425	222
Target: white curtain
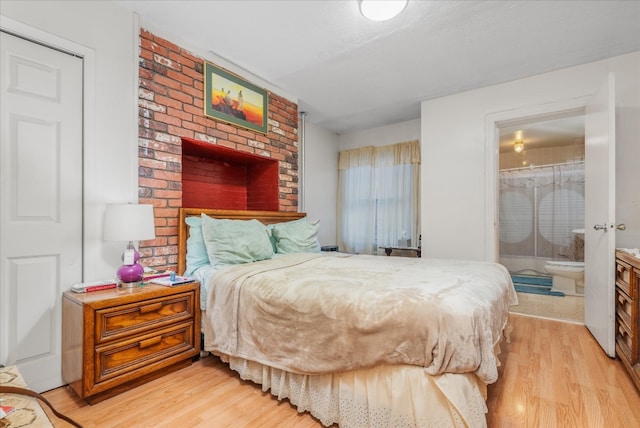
539	209
378	197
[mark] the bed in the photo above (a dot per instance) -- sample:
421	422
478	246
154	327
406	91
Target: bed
356	340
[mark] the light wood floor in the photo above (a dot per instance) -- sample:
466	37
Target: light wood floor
553	375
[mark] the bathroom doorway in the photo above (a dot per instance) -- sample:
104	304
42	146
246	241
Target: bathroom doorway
541	212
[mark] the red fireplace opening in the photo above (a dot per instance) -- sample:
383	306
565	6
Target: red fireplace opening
218	177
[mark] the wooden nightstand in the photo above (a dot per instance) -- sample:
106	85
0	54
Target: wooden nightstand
114	340
628	313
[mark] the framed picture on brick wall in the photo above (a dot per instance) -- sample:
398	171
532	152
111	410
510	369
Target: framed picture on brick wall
230	98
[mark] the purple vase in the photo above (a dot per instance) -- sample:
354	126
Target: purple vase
130	273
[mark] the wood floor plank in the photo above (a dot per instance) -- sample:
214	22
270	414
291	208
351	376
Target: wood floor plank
552	374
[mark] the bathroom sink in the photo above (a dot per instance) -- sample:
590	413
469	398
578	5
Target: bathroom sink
579	233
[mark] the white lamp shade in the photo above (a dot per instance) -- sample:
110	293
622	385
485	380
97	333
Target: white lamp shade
129	222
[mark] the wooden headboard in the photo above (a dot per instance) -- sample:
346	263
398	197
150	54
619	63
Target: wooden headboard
266	217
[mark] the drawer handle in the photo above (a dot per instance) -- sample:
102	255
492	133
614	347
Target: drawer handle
149	342
150	308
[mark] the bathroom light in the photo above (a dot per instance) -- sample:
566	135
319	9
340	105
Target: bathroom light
518	145
381	10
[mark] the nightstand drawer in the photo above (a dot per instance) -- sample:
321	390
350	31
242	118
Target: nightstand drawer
119	358
623	277
126	321
624	307
625	341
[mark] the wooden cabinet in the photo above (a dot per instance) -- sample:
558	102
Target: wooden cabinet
116	339
628	313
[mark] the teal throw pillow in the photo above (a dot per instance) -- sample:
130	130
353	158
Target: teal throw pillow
196	250
298	236
232	242
273	238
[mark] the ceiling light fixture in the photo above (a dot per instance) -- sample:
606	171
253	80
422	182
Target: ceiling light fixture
381	10
518	145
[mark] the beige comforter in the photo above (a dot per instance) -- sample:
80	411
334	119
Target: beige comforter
327	312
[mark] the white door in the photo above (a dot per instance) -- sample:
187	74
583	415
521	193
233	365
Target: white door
40	202
599	257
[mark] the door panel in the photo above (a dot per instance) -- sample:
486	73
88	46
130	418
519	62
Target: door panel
33	326
40	202
599	289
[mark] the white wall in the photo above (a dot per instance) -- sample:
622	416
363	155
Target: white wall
321	180
454	152
107	35
381	136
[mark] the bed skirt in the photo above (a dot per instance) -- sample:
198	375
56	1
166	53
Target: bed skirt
381	396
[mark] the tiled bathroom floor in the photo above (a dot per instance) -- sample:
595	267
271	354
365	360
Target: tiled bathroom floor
567	308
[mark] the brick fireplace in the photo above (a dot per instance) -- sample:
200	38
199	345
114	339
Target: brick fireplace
189	159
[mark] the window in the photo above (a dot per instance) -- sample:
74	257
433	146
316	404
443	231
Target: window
378	197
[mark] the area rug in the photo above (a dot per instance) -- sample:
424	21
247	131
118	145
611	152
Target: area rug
534	285
25	410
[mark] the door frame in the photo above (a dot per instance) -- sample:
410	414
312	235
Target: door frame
493	122
88	55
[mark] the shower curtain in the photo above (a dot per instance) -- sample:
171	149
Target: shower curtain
539	209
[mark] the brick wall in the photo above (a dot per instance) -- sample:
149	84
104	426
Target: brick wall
171	107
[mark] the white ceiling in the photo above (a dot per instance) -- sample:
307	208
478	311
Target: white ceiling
350	73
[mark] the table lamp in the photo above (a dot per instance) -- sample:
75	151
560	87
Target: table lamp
129	222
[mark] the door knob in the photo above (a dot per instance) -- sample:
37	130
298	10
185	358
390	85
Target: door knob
600	227
621	226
